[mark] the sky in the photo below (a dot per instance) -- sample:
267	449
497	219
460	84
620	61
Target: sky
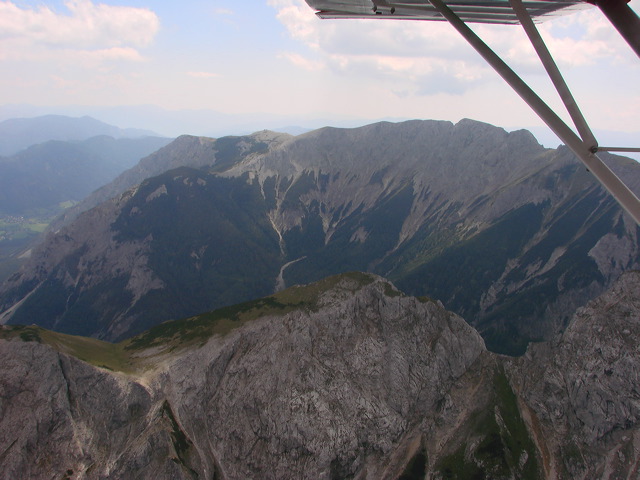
266	58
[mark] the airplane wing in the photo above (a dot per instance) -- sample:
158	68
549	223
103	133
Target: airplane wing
474	11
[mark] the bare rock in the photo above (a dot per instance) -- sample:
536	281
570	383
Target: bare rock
583	390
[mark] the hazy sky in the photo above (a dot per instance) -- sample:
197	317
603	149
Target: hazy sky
275	56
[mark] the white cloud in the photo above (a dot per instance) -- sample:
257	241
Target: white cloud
303	62
203	74
111	54
299	20
423	52
410	54
85	26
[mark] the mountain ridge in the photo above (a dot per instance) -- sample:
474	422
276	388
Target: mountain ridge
510	235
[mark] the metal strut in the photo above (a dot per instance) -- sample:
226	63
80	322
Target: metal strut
584	148
554	74
624	19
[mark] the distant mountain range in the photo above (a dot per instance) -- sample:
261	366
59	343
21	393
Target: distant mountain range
173	123
211	123
512	236
16	134
46	174
51	159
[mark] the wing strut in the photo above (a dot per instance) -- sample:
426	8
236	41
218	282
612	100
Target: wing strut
624	19
585	148
554	74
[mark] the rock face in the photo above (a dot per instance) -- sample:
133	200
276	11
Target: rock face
509	235
326	393
345	378
337	388
583	390
63	418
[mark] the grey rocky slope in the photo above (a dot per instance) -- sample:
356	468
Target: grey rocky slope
584	389
512	236
346	378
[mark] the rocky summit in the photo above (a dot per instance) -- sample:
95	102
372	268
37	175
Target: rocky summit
509	235
344	378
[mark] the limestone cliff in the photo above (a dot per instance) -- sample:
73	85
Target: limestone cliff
344	378
583	393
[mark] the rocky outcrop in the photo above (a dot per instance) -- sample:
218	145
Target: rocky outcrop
582	391
346	378
324	394
63	418
335	389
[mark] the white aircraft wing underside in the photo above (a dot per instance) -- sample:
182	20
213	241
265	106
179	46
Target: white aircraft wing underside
474	11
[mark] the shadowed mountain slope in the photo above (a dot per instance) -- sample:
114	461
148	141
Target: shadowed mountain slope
185	151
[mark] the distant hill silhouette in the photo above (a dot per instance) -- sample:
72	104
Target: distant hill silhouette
19	133
46	174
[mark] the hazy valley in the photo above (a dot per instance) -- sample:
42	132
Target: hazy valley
51	163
